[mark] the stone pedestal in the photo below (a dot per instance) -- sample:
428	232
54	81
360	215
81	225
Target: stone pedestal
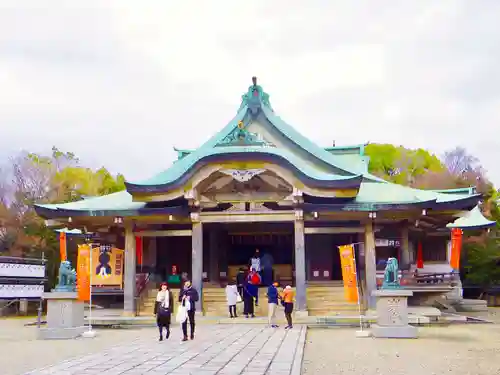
392	314
65	316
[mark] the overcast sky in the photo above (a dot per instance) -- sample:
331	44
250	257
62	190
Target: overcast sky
120	83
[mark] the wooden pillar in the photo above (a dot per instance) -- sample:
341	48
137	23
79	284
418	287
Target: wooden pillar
197	261
300	262
370	264
129	289
152	256
405	246
214	256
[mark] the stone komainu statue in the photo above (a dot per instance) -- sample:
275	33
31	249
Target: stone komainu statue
66	277
391	277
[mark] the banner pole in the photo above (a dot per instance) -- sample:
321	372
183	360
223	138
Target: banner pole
357	286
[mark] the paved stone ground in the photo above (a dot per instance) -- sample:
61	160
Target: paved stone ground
221	350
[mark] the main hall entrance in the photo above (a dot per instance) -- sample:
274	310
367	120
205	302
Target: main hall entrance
275	244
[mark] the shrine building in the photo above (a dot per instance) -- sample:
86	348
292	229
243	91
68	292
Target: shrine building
259	184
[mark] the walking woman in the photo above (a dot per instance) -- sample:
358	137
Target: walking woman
164	308
188	297
287	298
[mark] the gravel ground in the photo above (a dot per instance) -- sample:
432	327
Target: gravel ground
20	351
459	349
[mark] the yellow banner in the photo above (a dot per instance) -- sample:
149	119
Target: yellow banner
348	264
83	273
107	264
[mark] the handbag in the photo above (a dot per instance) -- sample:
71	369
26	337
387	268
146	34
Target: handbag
181	314
163	311
238	298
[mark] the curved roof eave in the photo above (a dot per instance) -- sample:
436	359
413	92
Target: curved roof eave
54	213
178	175
474	219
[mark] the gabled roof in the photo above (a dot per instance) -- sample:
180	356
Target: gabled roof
254	105
341	167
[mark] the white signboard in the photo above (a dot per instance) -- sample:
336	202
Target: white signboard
21	291
22	270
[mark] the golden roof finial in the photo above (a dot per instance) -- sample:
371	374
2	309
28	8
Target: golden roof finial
241	125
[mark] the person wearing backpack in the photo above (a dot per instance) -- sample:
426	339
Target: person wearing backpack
164	307
253	285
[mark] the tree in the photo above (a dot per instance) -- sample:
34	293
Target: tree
401	165
483	262
38	178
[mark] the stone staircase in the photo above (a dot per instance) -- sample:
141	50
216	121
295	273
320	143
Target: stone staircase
323	299
327	299
214	303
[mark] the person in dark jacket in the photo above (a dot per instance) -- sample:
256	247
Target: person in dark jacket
164	308
188	298
184	278
272	299
240	281
248	301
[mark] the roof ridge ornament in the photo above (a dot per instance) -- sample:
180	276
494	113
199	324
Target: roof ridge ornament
254	98
240	136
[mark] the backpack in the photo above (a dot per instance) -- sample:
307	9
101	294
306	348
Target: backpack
255	279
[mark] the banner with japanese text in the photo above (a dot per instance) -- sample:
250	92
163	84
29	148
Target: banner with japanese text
107	264
83	273
348	264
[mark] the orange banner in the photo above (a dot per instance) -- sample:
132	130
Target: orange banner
107	264
83	273
62	247
348	265
456	248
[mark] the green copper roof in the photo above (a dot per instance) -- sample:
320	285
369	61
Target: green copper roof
178	169
467	191
121	200
253	105
374	192
473	219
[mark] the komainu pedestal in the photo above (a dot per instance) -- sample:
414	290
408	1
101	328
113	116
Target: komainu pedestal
392	314
65	316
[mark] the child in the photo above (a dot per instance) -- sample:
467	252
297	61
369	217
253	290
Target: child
232	298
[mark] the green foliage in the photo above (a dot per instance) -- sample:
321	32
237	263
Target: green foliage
483	262
401	165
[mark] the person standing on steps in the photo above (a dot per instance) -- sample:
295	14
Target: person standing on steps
287	298
253	283
272	299
188	298
232	298
255	262
240	281
164	308
266	262
248	302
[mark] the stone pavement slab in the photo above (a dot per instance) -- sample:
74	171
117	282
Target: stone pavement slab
216	350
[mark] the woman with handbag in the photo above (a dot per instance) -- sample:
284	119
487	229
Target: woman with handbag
188	297
164	308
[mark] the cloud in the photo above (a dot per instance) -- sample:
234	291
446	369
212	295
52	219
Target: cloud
119	83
